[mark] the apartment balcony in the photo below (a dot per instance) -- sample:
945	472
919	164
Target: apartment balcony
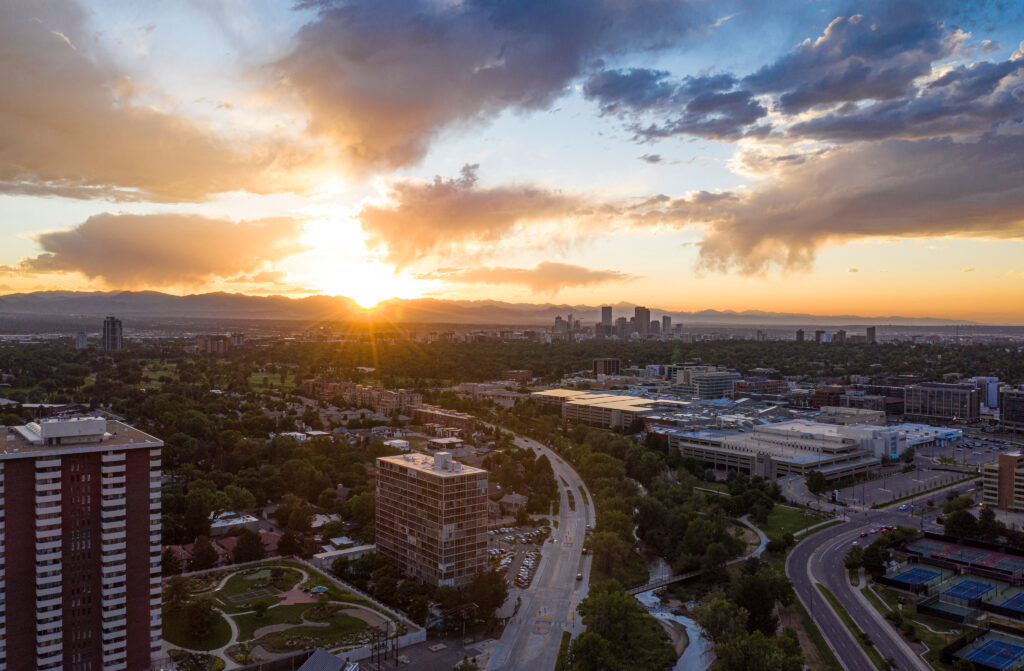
55	578
114	491
114	510
55	590
109	458
111	614
52	532
47	655
47	546
112	570
111	469
113	646
47	487
46	463
49	637
120	600
154	464
47	603
44	628
109	480
116	558
112	542
43	499
112	525
113	634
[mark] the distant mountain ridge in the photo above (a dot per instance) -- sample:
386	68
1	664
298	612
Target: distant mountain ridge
421	310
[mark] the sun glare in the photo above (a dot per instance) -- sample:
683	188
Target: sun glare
339	263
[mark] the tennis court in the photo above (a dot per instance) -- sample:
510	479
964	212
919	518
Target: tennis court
917	576
968	555
1011	564
968	589
996	653
1015	602
253	594
927	547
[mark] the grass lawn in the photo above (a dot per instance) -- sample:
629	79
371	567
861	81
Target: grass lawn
272	382
255	578
886	600
858	634
783	520
175	631
249	623
340	629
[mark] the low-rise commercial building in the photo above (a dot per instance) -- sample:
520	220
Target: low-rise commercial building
936	401
432	414
796	447
840	415
706	382
1011	409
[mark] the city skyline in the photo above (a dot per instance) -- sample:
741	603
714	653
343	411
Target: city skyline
827	158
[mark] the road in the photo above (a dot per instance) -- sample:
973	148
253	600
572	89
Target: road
819	558
532	638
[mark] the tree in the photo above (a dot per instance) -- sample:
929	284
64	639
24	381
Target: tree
522	517
961	524
963	665
169	562
758	593
488	590
288	544
989	528
908	456
260	609
201	617
854	558
466	665
714	559
177	593
609	551
204	556
755	651
816	482
720	620
591	652
873	559
248	548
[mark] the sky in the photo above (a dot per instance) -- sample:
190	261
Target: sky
794	156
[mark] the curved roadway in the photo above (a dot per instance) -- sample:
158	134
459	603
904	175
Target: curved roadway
532	638
819	559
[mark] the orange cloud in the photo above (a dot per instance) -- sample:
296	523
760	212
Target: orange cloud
69	125
546	277
161	250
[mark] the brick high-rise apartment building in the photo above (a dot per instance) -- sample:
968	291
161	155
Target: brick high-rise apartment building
432	517
80	512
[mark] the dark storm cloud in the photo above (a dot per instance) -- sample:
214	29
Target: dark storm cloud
380	78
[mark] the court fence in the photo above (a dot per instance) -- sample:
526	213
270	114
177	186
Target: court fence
921	588
927	607
948	654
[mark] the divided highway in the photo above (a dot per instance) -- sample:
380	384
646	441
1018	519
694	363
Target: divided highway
532	639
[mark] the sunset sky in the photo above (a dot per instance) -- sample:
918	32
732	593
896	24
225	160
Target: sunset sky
805	156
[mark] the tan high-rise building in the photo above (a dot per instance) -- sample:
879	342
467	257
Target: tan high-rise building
432	517
1003	482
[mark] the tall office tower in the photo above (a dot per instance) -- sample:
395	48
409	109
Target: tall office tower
81	550
819	336
654	328
560	326
799	335
869	335
642	318
839	336
81	340
432	517
606	316
989	387
622	328
666	325
112	334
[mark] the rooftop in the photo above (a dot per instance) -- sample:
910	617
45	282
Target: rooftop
80	434
440	464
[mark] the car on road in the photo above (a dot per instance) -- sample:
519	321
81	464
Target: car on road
873	531
579	576
863	534
855	543
903	507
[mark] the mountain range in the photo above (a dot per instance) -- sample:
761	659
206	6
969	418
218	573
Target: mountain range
226	306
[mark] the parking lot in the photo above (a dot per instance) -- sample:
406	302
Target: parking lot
516	551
